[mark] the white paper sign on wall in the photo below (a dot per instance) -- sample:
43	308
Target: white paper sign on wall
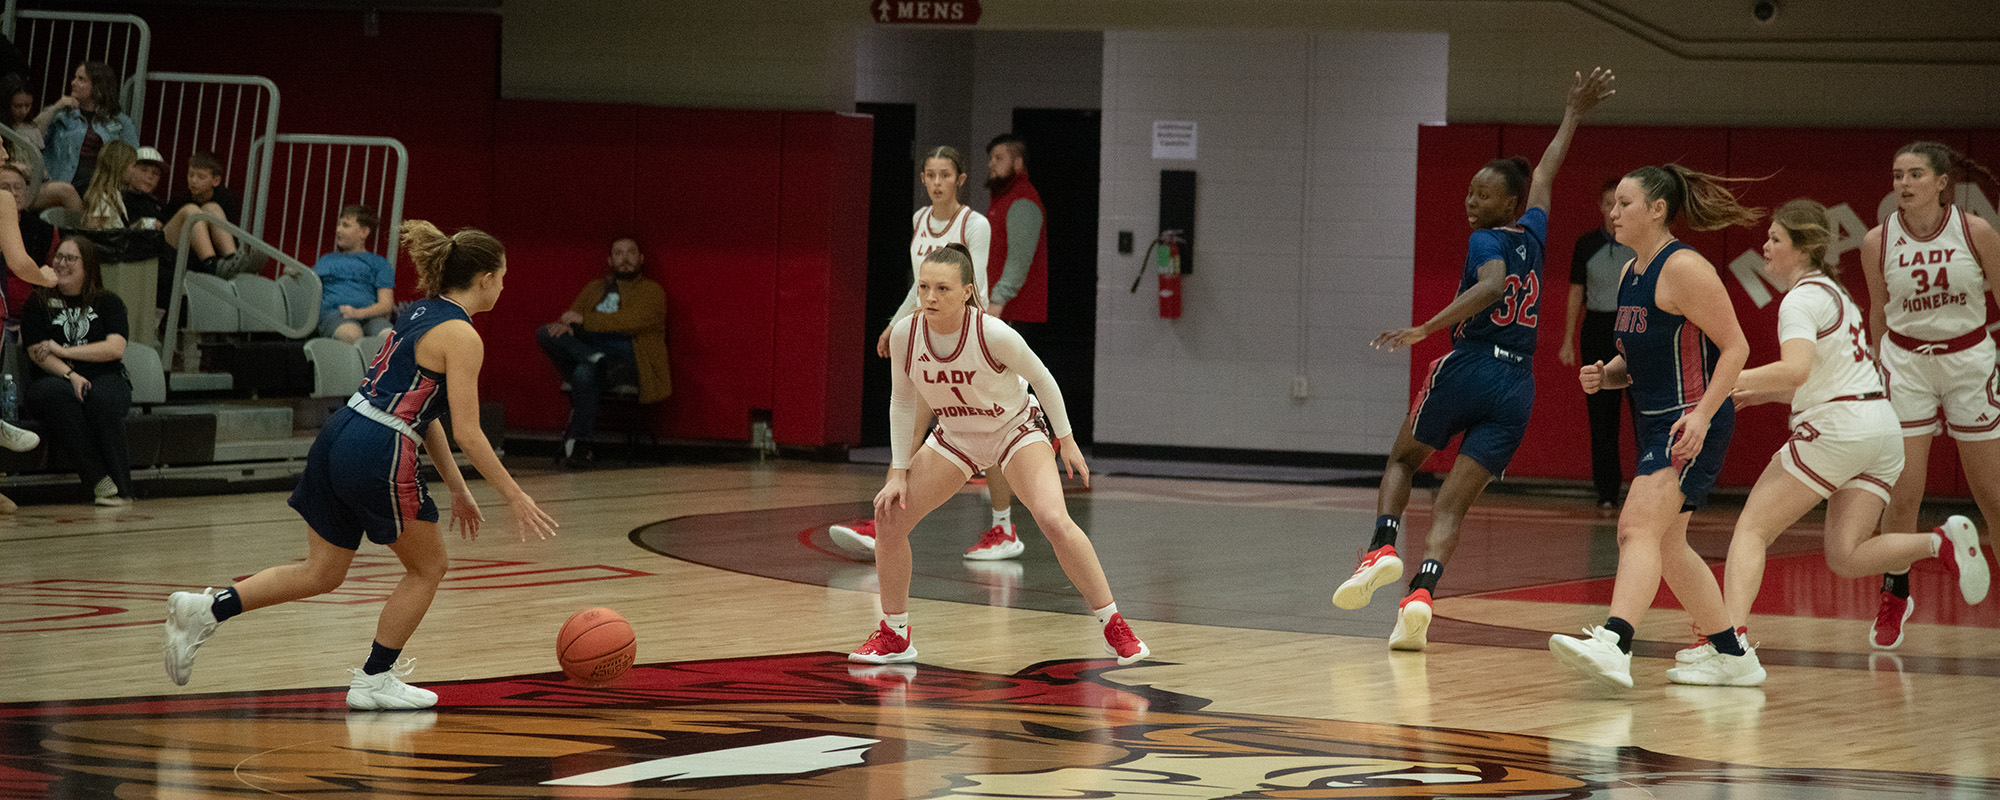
1174	139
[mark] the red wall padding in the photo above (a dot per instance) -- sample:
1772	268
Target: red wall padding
1831	166
754	221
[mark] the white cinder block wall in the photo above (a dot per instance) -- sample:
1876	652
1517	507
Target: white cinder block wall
1306	177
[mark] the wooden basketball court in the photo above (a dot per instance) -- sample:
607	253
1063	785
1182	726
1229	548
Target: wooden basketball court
1257	687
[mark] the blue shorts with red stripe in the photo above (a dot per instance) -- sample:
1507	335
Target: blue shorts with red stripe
1483	394
1654	433
361	479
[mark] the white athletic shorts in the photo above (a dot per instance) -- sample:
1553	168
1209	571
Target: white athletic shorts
1853	447
974	452
1955	393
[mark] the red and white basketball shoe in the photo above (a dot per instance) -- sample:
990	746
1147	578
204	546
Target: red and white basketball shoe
1378	568
1413	620
886	647
997	543
856	537
1963	559
1887	634
1122	642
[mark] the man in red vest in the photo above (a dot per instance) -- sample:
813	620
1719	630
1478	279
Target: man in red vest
1018	261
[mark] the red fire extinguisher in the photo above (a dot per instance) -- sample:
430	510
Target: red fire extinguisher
1165	252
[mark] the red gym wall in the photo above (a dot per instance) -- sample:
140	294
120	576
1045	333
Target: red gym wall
1832	166
755	221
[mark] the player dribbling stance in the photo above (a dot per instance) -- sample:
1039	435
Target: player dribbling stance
972	372
361	476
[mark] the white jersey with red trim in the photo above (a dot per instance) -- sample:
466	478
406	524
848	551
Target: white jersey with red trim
975	380
1937	289
928	234
1843	368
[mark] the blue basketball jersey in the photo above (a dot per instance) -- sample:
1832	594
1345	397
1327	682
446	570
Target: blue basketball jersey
1668	359
395	383
1510	322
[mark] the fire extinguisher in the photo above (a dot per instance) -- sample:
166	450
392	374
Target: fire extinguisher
1165	253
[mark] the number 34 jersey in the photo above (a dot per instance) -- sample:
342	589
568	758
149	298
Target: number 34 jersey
1843	368
1937	290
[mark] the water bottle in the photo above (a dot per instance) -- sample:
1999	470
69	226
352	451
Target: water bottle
10	399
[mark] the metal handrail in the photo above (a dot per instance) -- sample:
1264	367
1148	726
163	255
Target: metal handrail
134	99
255	170
292	267
391	216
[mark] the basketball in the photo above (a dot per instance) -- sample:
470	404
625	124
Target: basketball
596	645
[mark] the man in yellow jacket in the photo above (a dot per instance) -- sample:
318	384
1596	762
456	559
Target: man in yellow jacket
614	334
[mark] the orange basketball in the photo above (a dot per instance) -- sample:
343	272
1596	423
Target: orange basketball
596	645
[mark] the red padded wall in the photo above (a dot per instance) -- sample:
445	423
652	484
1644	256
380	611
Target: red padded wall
822	279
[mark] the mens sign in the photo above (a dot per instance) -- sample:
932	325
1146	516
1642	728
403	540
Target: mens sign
925	12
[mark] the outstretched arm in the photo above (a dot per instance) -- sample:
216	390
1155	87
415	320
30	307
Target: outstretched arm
1478	297
1584	94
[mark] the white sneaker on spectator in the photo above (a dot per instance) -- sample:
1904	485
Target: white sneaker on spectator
386	690
105	493
17	438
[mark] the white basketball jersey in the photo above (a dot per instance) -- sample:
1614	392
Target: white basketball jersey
927	234
1937	290
959	379
1842	365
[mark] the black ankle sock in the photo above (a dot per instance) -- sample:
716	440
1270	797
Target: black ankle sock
1427	576
1898	585
1387	528
380	659
1726	642
1624	630
226	604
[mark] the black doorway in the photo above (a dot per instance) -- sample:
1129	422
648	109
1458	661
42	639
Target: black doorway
1063	162
892	189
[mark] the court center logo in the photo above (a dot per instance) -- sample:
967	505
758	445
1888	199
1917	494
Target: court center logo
813	726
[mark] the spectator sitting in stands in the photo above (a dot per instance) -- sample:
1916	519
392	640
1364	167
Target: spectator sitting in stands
44	193
357	287
214	249
75	332
143	209
104	200
21	109
616	325
77	126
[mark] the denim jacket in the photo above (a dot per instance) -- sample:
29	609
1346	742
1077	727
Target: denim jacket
64	141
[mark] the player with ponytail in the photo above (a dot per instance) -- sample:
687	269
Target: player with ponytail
361	477
971	372
1681	351
1927	288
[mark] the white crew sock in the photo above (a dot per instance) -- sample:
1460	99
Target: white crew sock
1104	614
1004	516
899	623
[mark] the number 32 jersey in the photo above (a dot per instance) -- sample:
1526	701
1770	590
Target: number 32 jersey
1937	290
1510	322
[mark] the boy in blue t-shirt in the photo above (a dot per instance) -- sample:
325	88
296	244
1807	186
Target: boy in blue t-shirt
357	287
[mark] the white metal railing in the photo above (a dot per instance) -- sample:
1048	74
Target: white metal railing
221	114
54	42
268	319
311	176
